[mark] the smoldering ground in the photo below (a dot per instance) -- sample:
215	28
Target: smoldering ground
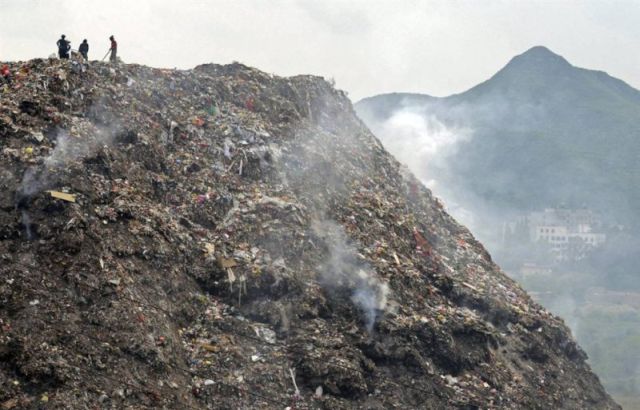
309	170
344	269
69	146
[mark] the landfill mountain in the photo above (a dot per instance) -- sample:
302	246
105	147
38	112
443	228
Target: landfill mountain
545	133
224	238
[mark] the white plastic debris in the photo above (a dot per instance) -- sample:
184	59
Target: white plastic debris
293	379
38	136
266	334
228	146
450	379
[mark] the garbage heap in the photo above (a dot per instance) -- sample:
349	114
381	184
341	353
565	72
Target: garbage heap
225	238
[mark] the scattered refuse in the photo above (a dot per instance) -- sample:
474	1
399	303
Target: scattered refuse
225	228
38	136
62	195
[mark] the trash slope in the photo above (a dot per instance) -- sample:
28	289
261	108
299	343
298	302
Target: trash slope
224	238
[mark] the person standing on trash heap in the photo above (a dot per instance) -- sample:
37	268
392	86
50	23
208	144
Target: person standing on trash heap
114	49
84	49
63	47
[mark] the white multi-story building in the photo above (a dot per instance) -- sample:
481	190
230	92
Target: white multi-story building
571	233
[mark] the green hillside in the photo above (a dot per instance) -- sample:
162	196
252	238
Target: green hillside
544	132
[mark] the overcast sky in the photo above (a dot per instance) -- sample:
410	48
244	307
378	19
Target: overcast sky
369	47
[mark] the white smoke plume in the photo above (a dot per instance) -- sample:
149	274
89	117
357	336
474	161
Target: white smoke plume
426	145
345	269
67	149
421	142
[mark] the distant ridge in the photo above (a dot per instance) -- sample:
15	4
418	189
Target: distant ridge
539	118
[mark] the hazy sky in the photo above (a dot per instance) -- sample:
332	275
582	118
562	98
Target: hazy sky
436	47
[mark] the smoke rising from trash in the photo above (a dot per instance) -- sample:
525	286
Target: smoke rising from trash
418	141
345	269
67	149
425	144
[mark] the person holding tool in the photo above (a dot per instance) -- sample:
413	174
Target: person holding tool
113	49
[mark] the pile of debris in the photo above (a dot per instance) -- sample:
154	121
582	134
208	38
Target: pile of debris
224	238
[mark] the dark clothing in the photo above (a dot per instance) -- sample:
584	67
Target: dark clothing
84	50
64	47
114	51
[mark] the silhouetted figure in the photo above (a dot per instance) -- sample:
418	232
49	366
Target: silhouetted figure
64	47
113	49
84	49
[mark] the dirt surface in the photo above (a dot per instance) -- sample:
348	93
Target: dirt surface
230	239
